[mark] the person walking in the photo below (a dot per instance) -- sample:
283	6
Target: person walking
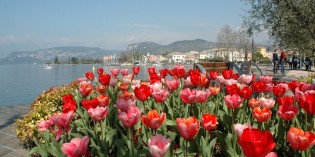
282	61
307	63
291	62
275	61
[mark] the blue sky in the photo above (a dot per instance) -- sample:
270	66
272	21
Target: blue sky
112	24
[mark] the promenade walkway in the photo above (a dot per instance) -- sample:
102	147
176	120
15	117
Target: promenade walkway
9	146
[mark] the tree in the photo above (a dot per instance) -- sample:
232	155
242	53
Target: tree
74	60
56	60
289	22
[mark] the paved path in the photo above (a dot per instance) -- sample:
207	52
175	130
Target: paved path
9	146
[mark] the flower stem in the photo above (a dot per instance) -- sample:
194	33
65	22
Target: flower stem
131	142
186	153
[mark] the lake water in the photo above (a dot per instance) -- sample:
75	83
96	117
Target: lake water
21	84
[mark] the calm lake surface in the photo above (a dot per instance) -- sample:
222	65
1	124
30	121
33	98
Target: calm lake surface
21	84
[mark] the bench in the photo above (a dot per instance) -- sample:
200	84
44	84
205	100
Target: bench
243	68
212	66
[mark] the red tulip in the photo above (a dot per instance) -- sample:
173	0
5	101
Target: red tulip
209	121
100	71
142	92
256	143
233	101
124	86
104	79
212	75
253	103
227	74
154	77
101	89
130	117
158	145
246	92
163	72
89	75
292	85
232	89
136	70
98	114
76	147
103	100
151	70
115	72
195	77
235	76
87	104
300	140
278	91
188	128
287	110
262	115
188	96
180	73
69	104
85	88
258	87
153	120
309	104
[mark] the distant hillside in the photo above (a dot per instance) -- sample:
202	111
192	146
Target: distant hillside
178	46
63	53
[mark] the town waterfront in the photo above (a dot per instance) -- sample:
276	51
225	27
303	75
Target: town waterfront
21	84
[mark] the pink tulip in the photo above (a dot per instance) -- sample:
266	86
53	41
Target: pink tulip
62	120
161	95
156	87
124	72
239	128
113	82
245	79
188	96
233	101
76	147
265	79
115	72
272	154
98	114
130	117
221	79
202	95
269	87
172	84
127	78
284	85
158	145
124	104
44	125
135	83
266	103
188	82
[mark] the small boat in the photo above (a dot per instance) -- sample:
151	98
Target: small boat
136	63
47	67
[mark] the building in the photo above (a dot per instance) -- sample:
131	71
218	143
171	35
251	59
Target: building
176	57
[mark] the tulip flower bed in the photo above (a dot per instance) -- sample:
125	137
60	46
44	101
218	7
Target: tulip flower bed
180	112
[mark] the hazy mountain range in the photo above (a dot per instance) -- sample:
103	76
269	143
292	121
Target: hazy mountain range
64	53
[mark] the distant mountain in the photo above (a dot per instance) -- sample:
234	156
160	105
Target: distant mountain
178	46
49	54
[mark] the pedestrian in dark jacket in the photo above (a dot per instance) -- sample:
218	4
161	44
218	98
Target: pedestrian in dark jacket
275	61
